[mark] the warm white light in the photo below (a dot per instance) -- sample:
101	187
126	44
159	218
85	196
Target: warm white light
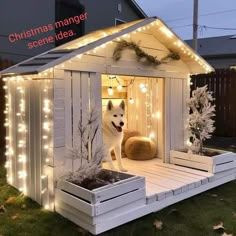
10	180
46	207
141	85
166	31
131	101
22	174
45	137
47	160
46	146
46	125
22	158
144	90
7	164
158	115
110	91
46	110
119	87
152	135
188	143
43	191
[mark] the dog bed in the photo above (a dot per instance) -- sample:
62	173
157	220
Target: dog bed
127	135
140	148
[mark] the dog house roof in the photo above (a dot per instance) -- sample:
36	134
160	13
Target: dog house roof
98	38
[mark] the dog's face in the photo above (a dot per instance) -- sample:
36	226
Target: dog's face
114	115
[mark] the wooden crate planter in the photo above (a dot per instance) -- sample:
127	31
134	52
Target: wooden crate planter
223	161
89	209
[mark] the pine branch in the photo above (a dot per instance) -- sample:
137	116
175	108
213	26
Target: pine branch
140	53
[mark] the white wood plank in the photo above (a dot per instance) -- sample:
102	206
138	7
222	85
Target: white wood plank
76	191
173	180
77	106
119	189
75	202
158	205
191	164
124	70
96	100
75	219
184	169
101	208
67	112
225	166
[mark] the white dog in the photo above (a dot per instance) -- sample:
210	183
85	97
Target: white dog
113	121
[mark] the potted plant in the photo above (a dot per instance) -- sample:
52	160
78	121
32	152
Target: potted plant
87	194
200	127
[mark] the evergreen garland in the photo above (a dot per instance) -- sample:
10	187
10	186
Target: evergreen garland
122	45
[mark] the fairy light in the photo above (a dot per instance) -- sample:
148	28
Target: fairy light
152	135
110	91
46	141
166	31
119	87
188	143
144	89
46	126
158	115
131	101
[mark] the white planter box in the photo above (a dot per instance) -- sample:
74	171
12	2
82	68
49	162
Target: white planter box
88	208
223	161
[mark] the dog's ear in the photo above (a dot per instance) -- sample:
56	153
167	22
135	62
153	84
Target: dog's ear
122	105
109	105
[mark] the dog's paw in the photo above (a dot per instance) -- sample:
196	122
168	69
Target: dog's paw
123	169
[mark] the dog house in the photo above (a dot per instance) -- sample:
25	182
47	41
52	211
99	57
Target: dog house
48	94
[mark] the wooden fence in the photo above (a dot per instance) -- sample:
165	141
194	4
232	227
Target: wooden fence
223	85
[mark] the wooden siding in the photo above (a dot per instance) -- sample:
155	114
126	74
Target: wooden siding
26	101
74	93
175	115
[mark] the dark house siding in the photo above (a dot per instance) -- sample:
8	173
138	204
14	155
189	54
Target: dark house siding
103	14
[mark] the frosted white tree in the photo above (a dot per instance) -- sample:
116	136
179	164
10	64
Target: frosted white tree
89	155
200	124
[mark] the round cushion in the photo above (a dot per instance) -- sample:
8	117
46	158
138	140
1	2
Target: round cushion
140	148
127	134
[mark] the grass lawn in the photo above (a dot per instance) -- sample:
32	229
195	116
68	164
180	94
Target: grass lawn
195	216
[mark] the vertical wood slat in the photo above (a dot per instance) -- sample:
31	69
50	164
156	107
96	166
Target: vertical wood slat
160	121
85	102
37	140
29	182
68	107
174	116
12	133
167	116
96	94
32	143
76	105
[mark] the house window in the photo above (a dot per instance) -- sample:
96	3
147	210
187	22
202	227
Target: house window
119	22
64	10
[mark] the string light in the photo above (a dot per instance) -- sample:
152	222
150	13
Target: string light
152	135
131	101
110	91
119	87
144	89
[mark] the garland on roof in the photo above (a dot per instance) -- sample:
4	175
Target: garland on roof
141	54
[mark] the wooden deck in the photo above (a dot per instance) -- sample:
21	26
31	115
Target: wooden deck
167	184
